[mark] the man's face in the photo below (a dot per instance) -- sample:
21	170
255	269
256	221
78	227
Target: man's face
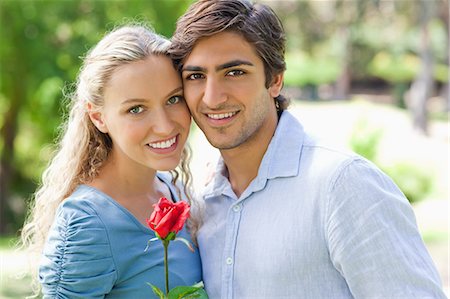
224	86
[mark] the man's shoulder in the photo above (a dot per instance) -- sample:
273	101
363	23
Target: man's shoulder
299	140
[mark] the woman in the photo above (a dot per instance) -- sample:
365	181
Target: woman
128	121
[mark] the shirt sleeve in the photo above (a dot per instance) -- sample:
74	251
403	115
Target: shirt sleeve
77	260
373	237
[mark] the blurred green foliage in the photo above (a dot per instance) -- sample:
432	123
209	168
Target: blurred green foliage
41	46
375	40
413	179
365	139
394	68
303	69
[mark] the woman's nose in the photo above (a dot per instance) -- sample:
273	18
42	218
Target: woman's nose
163	124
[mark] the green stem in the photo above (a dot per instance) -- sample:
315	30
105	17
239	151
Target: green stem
166	265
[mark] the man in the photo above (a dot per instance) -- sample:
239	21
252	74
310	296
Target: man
285	215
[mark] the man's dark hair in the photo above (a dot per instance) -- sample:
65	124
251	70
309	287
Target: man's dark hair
257	23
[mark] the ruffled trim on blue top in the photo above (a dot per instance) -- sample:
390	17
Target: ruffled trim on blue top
77	260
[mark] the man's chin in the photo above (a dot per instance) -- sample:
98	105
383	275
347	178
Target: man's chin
223	144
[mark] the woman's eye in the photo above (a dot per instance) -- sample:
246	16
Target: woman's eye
136	110
174	100
234	73
194	76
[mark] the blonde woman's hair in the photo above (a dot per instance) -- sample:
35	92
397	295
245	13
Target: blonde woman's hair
82	148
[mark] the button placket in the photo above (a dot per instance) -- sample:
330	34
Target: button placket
233	220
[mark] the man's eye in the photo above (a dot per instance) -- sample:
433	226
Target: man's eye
136	110
234	73
174	100
195	76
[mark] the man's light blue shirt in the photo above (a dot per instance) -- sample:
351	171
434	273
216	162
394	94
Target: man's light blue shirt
315	223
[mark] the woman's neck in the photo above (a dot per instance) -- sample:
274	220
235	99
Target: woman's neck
136	188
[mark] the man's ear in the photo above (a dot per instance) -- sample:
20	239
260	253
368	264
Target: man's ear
96	117
276	85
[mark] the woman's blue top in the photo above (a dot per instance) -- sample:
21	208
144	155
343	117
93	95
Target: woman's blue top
96	249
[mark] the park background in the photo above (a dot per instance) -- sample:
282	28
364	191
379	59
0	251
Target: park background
371	75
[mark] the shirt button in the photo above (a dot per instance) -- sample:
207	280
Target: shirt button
229	261
237	208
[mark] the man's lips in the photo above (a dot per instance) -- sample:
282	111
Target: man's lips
220	116
220	119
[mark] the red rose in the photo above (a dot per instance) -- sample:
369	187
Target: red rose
168	217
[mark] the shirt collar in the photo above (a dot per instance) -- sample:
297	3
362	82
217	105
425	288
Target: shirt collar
281	159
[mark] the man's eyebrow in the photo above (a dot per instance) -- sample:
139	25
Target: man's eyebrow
233	63
190	68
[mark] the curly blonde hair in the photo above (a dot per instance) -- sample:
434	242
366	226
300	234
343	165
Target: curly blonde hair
82	148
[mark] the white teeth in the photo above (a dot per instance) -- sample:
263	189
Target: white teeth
163	144
221	115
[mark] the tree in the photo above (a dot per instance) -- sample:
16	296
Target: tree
421	88
40	46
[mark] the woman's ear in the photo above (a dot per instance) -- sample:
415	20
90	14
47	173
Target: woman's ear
276	85
96	117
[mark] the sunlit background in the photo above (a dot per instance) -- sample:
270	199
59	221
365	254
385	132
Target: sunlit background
370	75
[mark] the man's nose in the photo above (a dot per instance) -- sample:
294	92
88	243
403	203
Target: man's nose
214	94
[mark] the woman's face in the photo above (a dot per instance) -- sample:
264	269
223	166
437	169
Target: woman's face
145	114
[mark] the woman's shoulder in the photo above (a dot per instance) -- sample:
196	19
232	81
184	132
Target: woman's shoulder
77	237
90	208
84	201
80	217
78	214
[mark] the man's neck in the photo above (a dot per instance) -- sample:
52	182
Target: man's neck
243	162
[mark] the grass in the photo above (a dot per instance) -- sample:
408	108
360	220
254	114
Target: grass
14	281
15	288
433	237
6	241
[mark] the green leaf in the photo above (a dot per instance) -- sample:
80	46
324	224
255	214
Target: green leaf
186	292
157	291
200	293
